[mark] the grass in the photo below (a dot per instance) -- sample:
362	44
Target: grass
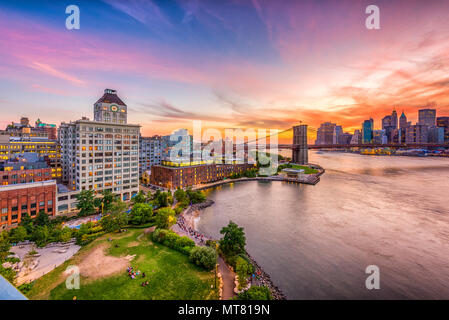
170	274
307	170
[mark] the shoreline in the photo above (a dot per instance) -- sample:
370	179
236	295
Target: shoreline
193	212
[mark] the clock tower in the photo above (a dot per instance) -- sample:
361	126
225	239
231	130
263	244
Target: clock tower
110	108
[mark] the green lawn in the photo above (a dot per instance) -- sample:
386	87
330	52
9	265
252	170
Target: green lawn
171	275
307	170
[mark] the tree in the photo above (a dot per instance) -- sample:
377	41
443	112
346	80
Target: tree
205	257
255	293
140	213
27	222
139	198
42	219
65	235
180	195
107	200
85	203
19	234
41	235
165	218
234	240
243	269
162	199
196	196
118	207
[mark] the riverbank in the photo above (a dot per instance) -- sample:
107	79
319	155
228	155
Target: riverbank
186	226
310	179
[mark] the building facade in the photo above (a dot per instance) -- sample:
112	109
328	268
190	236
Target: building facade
172	177
20	172
102	154
150	153
427	117
367	131
417	134
17	200
443	122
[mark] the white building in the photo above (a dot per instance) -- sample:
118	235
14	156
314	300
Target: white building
150	152
102	154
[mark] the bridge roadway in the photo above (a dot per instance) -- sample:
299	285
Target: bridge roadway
349	146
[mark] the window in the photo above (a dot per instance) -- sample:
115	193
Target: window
4	210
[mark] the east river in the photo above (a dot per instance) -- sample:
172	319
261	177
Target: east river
316	241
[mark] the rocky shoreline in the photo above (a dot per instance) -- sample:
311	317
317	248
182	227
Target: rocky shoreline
276	293
265	278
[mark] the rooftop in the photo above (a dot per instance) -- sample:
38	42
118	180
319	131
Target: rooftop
110	96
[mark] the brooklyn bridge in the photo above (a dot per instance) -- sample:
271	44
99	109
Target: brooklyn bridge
300	146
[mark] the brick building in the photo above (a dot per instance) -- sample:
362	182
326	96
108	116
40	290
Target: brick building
24	172
19	199
172	177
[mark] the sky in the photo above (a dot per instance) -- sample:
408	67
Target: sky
231	64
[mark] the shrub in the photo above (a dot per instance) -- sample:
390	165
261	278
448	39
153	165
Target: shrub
243	269
205	257
182	242
159	235
255	293
165	218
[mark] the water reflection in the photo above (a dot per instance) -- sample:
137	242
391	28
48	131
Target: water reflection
316	241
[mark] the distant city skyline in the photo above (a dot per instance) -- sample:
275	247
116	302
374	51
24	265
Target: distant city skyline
258	64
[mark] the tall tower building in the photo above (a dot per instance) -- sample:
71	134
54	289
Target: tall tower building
110	108
403	121
367	130
427	117
102	154
394	119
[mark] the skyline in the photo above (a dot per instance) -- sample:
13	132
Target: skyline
241	64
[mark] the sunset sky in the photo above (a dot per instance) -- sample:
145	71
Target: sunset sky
259	64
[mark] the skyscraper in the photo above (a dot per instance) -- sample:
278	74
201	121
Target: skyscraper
403	121
367	130
326	133
427	117
444	123
394	119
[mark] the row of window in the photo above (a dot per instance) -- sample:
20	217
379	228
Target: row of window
25	206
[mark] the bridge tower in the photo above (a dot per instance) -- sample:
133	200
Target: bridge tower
300	152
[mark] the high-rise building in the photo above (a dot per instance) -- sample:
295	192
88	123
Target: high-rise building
394	119
380	137
386	122
326	133
436	134
357	137
345	138
427	117
150	152
417	133
102	154
443	122
338	133
367	130
403	121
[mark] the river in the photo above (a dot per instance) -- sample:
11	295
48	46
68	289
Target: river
316	241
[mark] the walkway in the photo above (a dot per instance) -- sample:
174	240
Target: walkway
228	279
227	275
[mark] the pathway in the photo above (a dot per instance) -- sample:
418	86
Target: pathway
228	279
